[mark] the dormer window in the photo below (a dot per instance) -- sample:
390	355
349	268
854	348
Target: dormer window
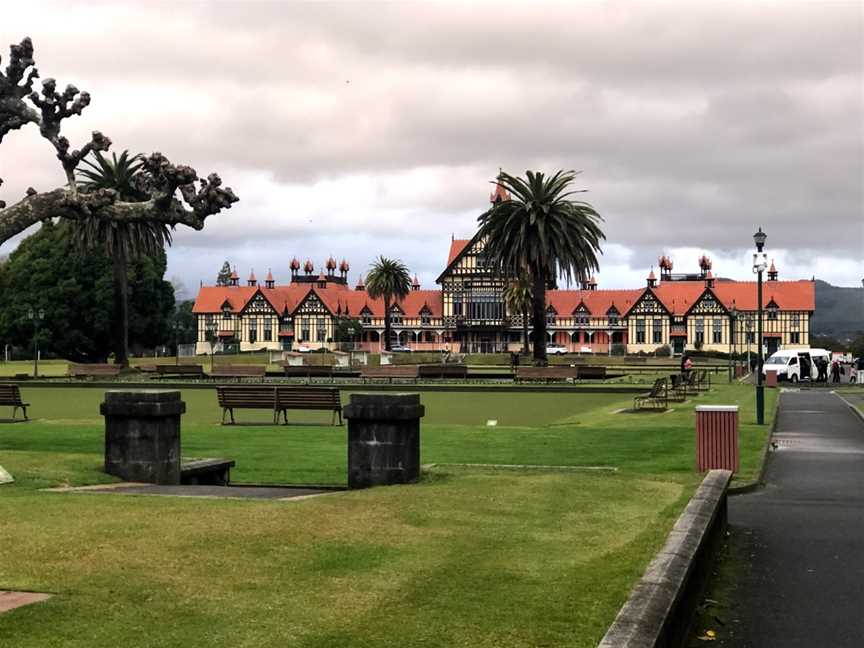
582	316
612	314
395	315
772	310
425	316
551	317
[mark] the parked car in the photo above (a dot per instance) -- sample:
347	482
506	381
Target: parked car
303	349
787	363
398	348
556	349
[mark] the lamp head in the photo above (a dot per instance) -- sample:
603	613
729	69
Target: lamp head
759	238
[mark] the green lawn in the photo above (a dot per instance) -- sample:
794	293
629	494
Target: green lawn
467	557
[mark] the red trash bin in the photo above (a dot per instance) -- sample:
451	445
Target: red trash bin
770	378
717	437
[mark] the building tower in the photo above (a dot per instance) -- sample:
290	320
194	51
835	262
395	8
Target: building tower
331	266
268	282
772	272
665	264
343	270
295	268
252	281
704	266
652	279
235	278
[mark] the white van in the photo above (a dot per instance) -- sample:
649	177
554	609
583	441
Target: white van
796	364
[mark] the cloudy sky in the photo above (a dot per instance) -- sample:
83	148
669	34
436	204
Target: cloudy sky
352	129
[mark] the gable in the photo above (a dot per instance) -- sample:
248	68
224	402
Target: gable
648	304
459	250
581	309
259	305
312	305
707	304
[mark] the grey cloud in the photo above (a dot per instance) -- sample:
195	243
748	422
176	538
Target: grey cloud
693	123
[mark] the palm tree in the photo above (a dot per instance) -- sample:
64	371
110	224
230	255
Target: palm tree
122	242
541	231
517	296
388	279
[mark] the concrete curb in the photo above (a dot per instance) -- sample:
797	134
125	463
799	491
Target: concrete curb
753	484
660	607
855	410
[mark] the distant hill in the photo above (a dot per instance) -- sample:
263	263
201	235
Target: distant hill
839	311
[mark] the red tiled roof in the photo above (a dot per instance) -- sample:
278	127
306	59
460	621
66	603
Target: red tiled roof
336	297
598	302
456	247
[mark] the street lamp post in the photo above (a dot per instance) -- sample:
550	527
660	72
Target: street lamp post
760	263
36	316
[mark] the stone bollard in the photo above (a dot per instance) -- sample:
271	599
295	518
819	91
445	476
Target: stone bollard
383	439
142	435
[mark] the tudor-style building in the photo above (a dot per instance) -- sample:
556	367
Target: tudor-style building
468	314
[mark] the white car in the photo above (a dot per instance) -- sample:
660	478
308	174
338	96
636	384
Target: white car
303	349
398	348
556	349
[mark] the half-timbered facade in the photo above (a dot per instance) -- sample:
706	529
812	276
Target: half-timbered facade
682	311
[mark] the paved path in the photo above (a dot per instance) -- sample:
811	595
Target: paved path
801	538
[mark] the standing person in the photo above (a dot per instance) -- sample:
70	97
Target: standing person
822	364
859	365
835	372
687	366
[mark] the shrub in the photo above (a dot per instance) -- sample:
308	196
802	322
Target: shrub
664	351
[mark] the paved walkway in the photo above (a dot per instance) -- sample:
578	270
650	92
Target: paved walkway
801	538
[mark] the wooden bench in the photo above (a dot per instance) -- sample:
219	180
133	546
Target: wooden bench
309	398
181	370
10	395
657	398
207	472
94	370
677	392
278	399
548	374
247	397
442	371
238	371
390	372
591	372
308	371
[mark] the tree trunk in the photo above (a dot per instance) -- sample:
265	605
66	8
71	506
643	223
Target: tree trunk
538	308
526	346
386	323
121	312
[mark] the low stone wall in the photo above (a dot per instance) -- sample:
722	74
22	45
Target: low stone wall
661	605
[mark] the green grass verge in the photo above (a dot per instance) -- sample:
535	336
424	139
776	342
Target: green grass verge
467	557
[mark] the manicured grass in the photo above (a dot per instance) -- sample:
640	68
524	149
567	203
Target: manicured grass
467	557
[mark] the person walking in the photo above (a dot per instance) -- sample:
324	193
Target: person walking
859	374
822	363
835	372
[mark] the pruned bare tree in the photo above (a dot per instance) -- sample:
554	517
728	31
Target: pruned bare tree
175	193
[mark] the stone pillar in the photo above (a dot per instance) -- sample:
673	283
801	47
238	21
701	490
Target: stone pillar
142	435
383	439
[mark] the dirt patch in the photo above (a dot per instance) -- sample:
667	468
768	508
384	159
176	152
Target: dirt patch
11	600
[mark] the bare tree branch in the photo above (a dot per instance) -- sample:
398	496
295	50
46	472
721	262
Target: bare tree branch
173	197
